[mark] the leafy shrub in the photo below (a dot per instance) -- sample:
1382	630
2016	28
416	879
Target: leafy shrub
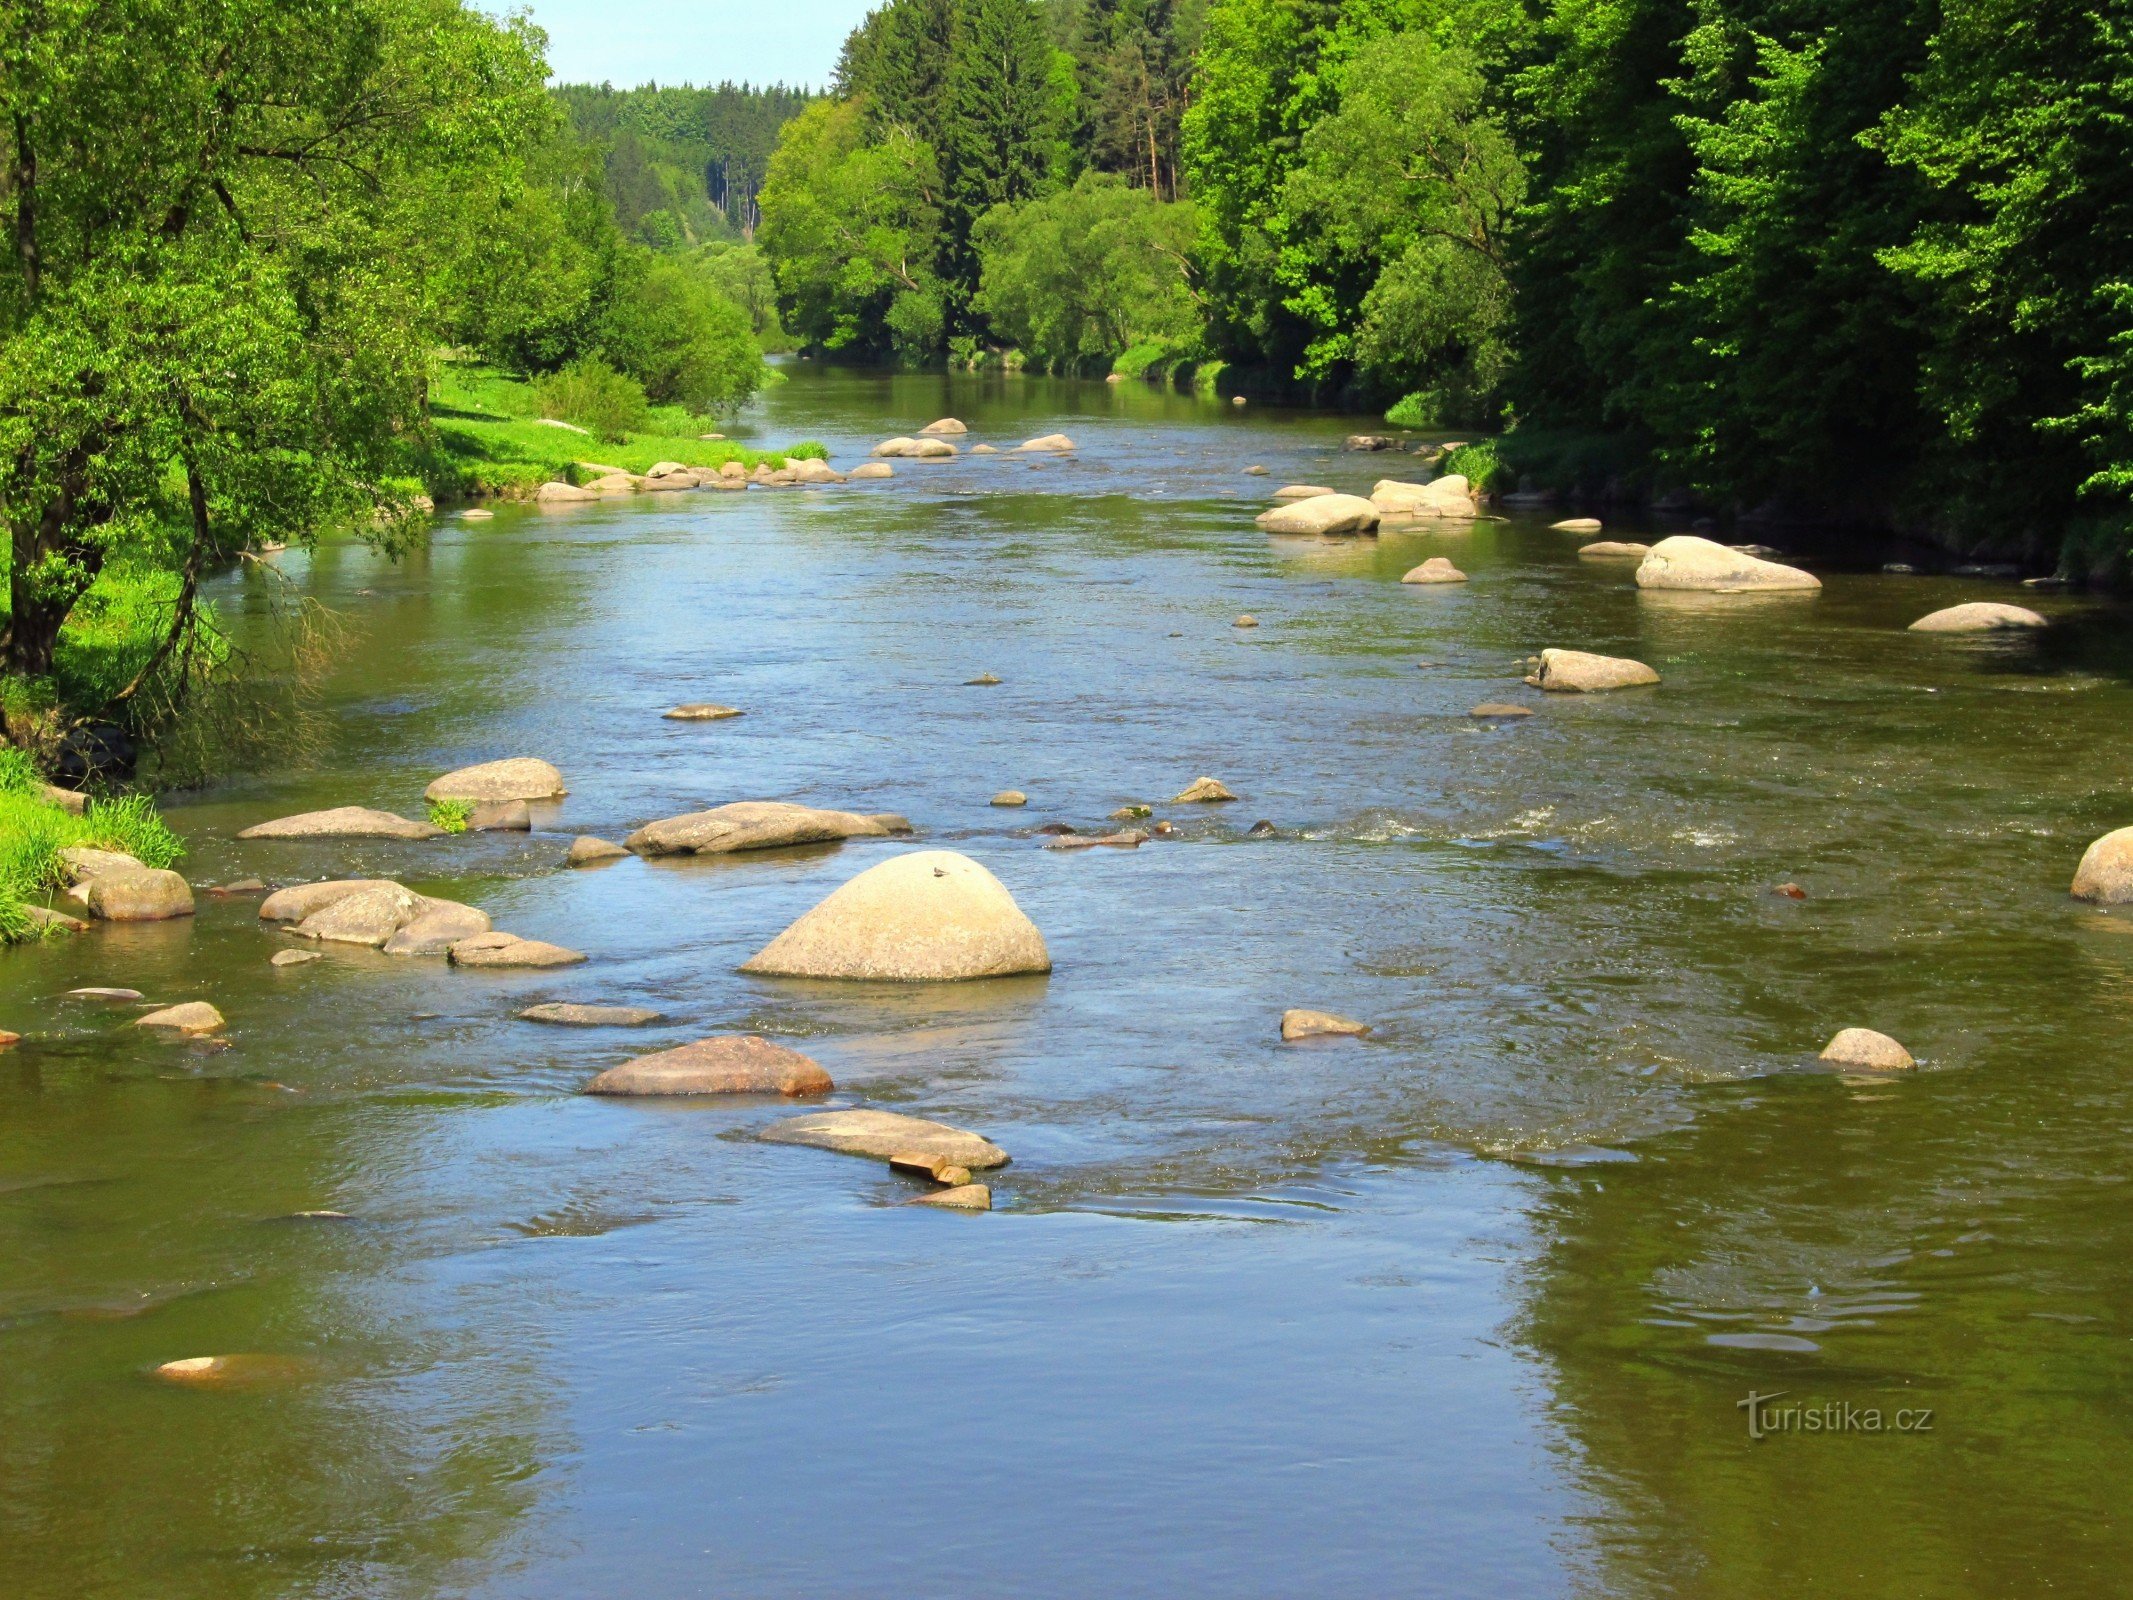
1479	465
1408	412
807	450
451	815
594	395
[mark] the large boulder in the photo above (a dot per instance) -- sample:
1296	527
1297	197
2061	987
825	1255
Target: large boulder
517	778
946	425
734	1064
809	470
898	446
886	1135
749	825
1687	562
1979	616
1863	1047
873	469
930	917
147	894
558	494
1449	496
586	851
1322	514
2106	871
300	901
1047	443
1289	492
81	862
435	927
369	916
1614	550
193	1017
1578	671
375	912
931	450
500	816
342	822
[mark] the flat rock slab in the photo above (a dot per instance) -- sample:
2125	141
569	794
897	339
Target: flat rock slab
1576	525
301	900
731	1064
194	1016
1322	514
1125	839
1614	550
750	825
884	1134
342	822
1687	562
929	917
1289	492
500	950
700	711
1491	710
82	863
569	1014
1301	1024
518	778
46	917
103	994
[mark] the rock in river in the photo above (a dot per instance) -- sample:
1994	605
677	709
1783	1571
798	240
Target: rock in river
961	1197
750	825
731	1064
1437	569
1613	550
1687	562
567	1014
1201	789
1322	514
1577	671
81	863
929	917
586	851
1863	1047
1448	496
887	1134
1047	442
878	469
148	894
1576	525
298	902
1010	797
2106	871
1494	710
342	822
435	927
519	778
1290	492
946	425
554	494
1300	1024
1979	616
501	816
700	711
193	1017
293	958
509	950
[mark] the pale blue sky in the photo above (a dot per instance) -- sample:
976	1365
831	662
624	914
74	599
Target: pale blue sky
694	41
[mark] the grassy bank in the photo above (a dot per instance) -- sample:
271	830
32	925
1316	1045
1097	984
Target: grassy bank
33	832
492	443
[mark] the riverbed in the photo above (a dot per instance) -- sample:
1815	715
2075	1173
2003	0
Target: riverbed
1469	1306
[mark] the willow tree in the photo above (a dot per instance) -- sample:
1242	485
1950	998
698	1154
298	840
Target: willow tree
230	245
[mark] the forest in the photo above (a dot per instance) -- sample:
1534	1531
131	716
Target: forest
1853	263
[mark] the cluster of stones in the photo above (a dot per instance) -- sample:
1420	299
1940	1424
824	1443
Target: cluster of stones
674	476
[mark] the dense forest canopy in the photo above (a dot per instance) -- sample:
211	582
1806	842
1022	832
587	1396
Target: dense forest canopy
1860	260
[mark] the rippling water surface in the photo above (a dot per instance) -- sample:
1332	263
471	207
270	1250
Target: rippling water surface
1464	1308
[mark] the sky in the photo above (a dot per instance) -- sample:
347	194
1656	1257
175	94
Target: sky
627	42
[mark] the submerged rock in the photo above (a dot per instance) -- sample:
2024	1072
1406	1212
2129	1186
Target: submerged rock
1130	839
46	917
1255	471
509	950
1576	525
193	1017
1979	616
731	1064
115	996
961	1197
1201	789
983	680
1863	1047
750	825
1437	569
502	816
568	1014
1613	550
1496	710
1047	442
2106	871
517	778
1301	1024
293	958
700	711
884	1134
147	894
1687	562
586	851
875	469
1323	515
929	917
342	822
1578	671
1289	493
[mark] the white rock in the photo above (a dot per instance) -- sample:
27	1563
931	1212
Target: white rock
1687	562
931	916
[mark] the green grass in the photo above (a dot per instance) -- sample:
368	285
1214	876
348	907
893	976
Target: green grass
1410	411
451	815
33	832
491	443
1480	465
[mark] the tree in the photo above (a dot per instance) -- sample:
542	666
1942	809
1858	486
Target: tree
233	227
1080	275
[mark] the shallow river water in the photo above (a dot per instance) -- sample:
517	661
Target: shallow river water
1466	1308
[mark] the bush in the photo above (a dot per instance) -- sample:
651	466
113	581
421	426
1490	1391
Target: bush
1479	465
594	395
808	450
451	815
1409	411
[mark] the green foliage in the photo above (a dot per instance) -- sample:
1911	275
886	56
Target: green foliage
807	450
1478	463
590	393
451	816
1079	276
1411	411
18	772
669	329
33	832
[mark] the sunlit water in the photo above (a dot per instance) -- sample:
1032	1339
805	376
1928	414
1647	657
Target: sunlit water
1465	1308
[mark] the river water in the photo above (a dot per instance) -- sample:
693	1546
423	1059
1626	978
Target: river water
1467	1307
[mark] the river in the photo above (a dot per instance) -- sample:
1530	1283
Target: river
1468	1307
